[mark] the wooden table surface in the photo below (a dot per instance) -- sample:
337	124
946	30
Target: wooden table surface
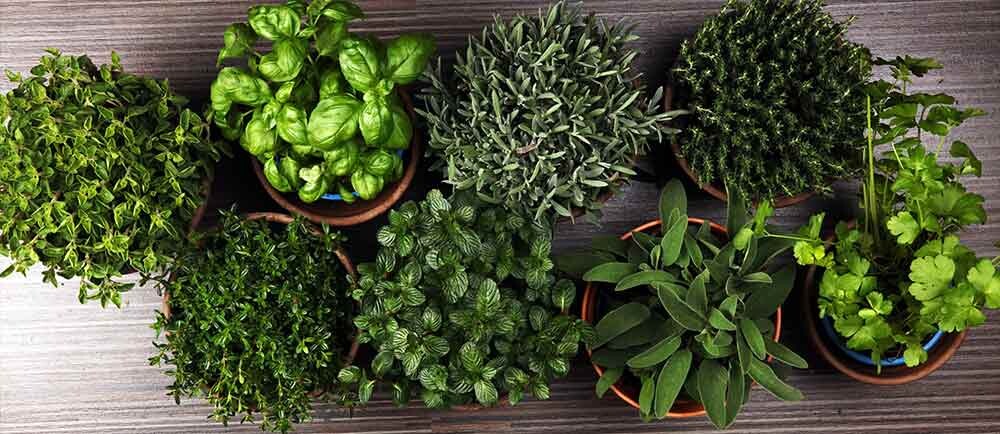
71	368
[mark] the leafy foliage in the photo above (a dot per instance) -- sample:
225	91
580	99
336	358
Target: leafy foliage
542	114
259	320
904	274
777	98
462	306
310	98
101	172
690	313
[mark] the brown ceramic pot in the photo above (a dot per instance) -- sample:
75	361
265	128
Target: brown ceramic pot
711	189
340	213
625	389
345	261
831	352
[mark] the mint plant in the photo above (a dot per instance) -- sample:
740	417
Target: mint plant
903	274
259	321
101	173
690	316
320	110
544	114
461	306
776	95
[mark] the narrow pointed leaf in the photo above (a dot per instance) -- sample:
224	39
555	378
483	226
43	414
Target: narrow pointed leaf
644	278
619	321
763	375
712	381
610	272
672	197
671	379
679	310
753	338
735	393
656	353
768	298
718	320
609	378
673	239
785	355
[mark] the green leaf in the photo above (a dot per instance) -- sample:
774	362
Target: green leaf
672	197
758	277
329	35
763	375
360	62
685	315
697	294
643	278
486	393
971	165
985	279
274	22
656	353
238	41
285	61
577	264
736	212
673	239
333	121
291	125
904	227
753	337
609	378
611	272
930	276
713	380
646	395
785	355
402	129
670	381
766	299
407	56
375	121
736	393
718	320
619	321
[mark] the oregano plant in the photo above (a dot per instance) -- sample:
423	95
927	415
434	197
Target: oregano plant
101	172
258	321
544	114
461	306
902	273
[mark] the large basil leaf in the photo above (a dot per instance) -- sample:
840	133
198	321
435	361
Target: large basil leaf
274	22
342	159
379	162
334	120
235	85
360	62
291	123
316	184
402	129
285	60
275	177
259	139
238	40
339	10
406	57
331	84
367	185
375	121
329	36
289	168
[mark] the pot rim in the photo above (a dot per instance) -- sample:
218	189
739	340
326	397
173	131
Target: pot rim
945	348
692	408
711	189
367	210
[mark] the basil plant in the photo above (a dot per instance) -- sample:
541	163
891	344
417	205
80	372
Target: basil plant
690	314
320	110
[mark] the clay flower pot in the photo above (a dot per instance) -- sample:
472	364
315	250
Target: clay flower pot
340	213
711	189
285	219
626	387
859	366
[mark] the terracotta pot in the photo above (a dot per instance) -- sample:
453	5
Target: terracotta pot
630	392
285	219
832	353
711	189
340	213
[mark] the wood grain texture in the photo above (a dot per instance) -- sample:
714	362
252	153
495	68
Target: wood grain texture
71	368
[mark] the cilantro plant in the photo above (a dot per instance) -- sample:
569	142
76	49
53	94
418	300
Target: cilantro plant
776	94
101	172
903	274
690	316
462	307
320	110
259	319
542	114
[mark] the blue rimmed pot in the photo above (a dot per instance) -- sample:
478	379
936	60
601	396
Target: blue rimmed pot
832	347
331	208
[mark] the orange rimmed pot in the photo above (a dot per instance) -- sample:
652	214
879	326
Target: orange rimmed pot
339	213
623	388
342	256
711	189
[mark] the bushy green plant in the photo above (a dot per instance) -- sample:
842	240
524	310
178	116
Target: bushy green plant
542	114
462	306
101	172
903	273
259	319
324	115
692	313
776	95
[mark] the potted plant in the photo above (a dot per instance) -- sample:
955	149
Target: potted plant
462	308
322	113
258	320
684	313
899	289
542	115
101	173
776	96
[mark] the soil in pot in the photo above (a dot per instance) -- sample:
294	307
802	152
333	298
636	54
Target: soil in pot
627	387
336	212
